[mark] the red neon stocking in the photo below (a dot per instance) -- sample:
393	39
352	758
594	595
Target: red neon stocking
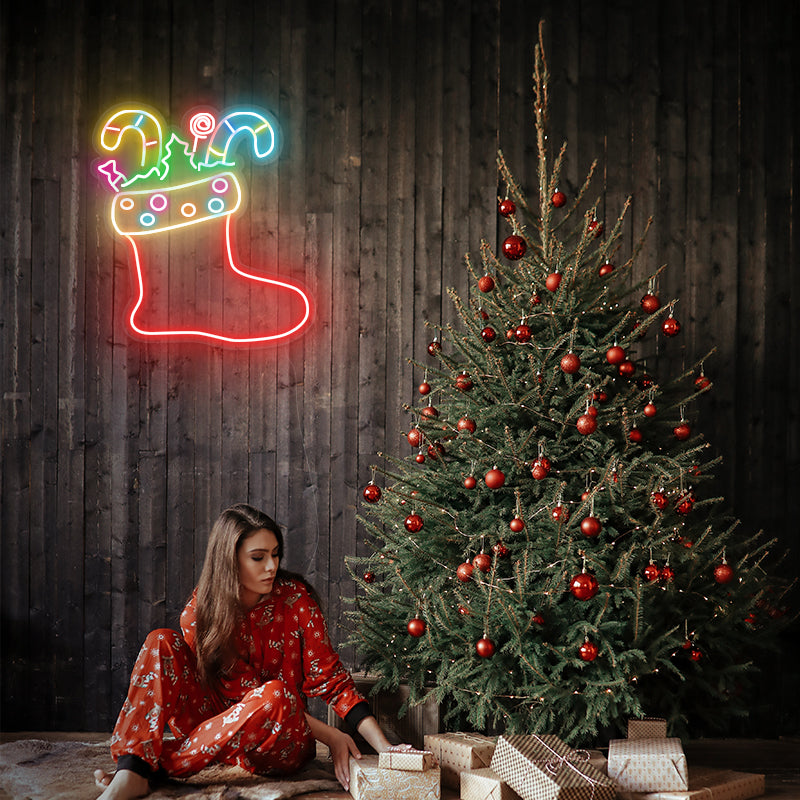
205	294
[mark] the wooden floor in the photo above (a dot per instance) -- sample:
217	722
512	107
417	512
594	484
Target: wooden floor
778	759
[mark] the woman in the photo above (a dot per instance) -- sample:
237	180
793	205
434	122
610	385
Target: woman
232	689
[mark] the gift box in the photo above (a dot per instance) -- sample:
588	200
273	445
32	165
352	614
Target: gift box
456	752
368	781
597	760
647	728
403	757
485	784
647	765
706	783
545	768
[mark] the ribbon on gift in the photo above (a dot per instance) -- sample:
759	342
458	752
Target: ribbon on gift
558	761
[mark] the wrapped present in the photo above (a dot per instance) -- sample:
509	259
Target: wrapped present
456	752
368	781
545	768
405	757
707	783
648	765
485	784
647	728
598	761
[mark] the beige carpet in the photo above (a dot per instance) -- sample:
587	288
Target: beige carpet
33	769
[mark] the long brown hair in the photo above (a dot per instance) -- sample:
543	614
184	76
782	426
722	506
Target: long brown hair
219	610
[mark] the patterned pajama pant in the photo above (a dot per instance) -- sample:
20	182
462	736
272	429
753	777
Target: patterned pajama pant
265	732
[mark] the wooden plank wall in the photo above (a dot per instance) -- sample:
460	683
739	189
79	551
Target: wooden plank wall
118	454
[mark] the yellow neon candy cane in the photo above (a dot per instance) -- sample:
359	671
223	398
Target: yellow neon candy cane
260	129
126	122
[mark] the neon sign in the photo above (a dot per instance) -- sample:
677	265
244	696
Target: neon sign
172	185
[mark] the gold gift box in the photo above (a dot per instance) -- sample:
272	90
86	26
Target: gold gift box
485	784
402	757
648	765
647	728
707	783
456	752
368	781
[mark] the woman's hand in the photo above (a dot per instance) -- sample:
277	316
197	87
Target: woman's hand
341	746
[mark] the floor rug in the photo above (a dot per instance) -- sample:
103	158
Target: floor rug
33	769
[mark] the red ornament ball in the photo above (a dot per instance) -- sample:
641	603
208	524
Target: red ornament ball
494	478
591	526
541	468
514	247
523	333
500	550
516	524
506	207
420	457
605	269
650	303
470	482
649	410
537	619
553	281
666	573
414	523
416	627
466	424
484	647
626	368
651	572
615	355
464	571
671	327
570	363
488	334
682	432
434	347
429	412
586	424
696	654
659	500
635	435
558	199
600	396
588	651
435	450
483	561
372	493
424	388
723	573
464	611
592	411
560	514
685	502
463	382
369	577
486	283
414	437
596	228
584	586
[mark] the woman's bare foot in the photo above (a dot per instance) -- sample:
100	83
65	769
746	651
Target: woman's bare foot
122	785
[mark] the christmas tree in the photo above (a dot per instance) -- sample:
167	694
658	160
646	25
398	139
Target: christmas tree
548	556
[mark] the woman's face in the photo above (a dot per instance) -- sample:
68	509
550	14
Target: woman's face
258	563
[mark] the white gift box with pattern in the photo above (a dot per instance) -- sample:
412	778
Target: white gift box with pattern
485	784
707	783
404	757
648	765
456	752
368	781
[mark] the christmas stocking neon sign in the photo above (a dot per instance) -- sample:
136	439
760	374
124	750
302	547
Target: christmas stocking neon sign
188	190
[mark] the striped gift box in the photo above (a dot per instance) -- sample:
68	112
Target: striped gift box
647	728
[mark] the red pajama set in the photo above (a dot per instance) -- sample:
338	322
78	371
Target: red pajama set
257	719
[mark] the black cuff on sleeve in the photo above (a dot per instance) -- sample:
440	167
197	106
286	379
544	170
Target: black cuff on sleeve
135	764
357	714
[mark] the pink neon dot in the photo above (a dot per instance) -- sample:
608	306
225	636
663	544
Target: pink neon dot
126	204
219	185
188	209
158	202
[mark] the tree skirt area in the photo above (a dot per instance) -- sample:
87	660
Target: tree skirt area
34	769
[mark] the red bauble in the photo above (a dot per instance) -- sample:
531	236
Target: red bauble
586	424
464	571
434	347
424	388
723	573
494	478
649	410
483	561
584	586
430	412
684	503
414	523
615	355
702	382
570	363
591	526
541	468
372	493
589	651
635	435
659	500
414	437
484	647
523	333
560	514
682	432
536	300
463	382
651	572
553	281
435	450
605	269
470	482
650	303
514	247
537	619
506	207
596	228
671	327
464	611
419	457
369	577
516	524
696	654
626	368
488	334
486	283
558	199
500	550
416	627
466	424
592	411
666	573
600	396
